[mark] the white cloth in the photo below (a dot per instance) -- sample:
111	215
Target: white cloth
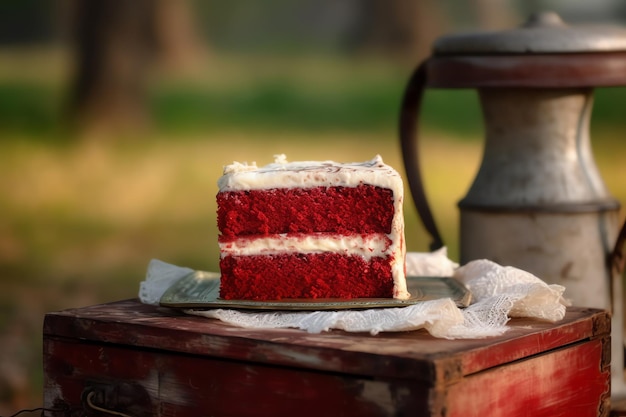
430	264
159	278
498	294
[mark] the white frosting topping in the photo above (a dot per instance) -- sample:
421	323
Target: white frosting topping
366	246
309	174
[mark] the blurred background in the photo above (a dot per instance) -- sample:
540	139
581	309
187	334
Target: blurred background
116	118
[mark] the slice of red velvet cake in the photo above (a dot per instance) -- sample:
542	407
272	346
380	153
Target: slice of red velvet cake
311	230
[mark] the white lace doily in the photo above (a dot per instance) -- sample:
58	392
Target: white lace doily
159	278
498	293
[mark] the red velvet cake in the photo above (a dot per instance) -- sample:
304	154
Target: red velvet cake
311	230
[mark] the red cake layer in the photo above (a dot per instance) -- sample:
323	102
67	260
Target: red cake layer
325	275
343	210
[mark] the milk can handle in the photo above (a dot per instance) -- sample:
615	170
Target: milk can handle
409	129
616	259
617	262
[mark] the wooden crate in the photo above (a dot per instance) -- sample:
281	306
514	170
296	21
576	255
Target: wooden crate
147	361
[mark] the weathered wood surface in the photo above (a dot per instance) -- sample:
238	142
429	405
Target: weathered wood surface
181	364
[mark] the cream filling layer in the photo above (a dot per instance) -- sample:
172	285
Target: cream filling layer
366	246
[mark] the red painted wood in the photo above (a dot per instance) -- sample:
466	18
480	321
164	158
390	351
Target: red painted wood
546	337
164	354
567	382
185	385
388	354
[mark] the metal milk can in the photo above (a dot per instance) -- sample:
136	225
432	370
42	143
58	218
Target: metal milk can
538	201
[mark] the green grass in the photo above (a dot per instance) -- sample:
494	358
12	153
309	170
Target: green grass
28	107
36	110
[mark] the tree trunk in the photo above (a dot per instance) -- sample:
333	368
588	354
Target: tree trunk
114	48
117	44
403	29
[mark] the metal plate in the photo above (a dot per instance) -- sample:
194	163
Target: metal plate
201	290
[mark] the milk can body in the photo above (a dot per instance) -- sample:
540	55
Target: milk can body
538	201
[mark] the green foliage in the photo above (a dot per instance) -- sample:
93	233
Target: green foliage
28	108
284	106
36	109
608	111
275	105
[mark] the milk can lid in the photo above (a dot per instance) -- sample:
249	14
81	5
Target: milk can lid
543	33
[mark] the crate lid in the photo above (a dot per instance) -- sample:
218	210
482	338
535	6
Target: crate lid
415	355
